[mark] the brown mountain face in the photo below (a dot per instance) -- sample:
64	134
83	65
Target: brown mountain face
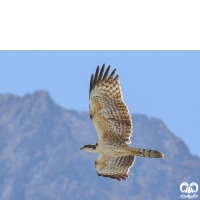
40	155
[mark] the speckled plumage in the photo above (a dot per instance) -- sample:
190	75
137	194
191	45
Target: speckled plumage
113	125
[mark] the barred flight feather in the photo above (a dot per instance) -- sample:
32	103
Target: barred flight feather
111	107
114	167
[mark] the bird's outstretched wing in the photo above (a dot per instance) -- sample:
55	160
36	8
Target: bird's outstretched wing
114	167
108	111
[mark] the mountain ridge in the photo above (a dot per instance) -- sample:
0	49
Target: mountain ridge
40	156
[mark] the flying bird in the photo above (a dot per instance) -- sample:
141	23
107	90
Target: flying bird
113	125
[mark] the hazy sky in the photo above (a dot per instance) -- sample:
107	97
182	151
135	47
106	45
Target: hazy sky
160	84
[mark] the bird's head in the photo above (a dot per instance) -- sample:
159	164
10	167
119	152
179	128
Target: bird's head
89	147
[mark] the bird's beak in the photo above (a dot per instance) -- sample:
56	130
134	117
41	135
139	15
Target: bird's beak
81	148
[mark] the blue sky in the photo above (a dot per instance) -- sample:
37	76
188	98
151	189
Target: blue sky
160	84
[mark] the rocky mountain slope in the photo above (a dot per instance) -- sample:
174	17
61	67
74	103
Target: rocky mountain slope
40	157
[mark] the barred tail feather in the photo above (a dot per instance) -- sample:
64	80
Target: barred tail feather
147	153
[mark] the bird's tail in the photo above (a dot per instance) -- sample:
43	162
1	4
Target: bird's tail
147	153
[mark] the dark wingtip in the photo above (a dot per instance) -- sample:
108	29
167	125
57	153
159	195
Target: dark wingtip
98	76
111	176
101	72
112	73
106	73
91	83
123	177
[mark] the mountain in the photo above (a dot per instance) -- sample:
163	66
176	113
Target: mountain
40	155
